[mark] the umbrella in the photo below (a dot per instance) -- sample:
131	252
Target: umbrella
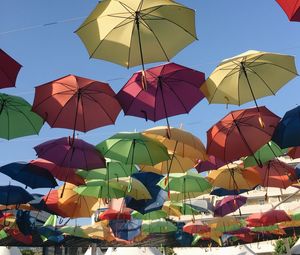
16	118
158	226
196	227
201	205
9	69
267	218
126	229
249	76
228	205
294	152
286	132
291	8
74	231
76	103
225	192
153	215
133	148
211	163
234	177
225	224
267	152
99	230
240	133
161	92
68	152
30	175
131	33
11	195
111	214
178	196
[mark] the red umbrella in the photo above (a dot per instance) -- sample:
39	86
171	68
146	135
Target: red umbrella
294	152
276	174
241	133
76	103
196	227
161	92
111	214
291	8
51	201
61	173
267	218
9	69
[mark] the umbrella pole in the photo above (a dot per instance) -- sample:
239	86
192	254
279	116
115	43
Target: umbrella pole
165	106
169	169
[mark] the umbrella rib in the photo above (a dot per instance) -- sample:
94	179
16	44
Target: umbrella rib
145	145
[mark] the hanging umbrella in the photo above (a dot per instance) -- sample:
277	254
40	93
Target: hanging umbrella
158	226
267	152
153	215
68	152
228	205
291	8
161	92
132	33
294	152
76	103
11	195
9	69
133	148
180	208
220	192
61	173
267	218
126	229
249	76
178	196
286	132
74	231
50	203
225	224
16	118
99	230
196	227
111	214
240	133
30	175
201	205
211	163
234	177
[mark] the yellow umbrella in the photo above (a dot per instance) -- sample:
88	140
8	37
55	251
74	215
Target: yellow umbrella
171	209
225	224
234	177
178	196
248	76
289	224
179	142
99	230
130	33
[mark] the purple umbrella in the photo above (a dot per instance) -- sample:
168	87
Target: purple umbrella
161	92
228	205
69	152
212	163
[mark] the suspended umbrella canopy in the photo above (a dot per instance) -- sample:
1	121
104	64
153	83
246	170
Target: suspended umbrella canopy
268	218
267	152
126	229
51	204
76	103
201	205
221	192
158	226
228	205
74	231
30	175
291	8
286	132
111	214
225	224
131	33
61	173
9	69
234	177
249	76
294	152
178	196
11	195
277	174
211	163
71	152
16	118
99	230
196	227
180	208
179	142
154	215
133	148
241	133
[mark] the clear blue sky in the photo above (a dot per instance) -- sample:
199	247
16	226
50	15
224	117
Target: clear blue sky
47	52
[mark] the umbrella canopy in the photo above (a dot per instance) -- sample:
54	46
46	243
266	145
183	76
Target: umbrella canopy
220	192
161	92
228	205
30	175
11	195
154	215
294	152
249	76
76	103
133	148
225	224
201	205
267	218
111	214
158	226
233	136
69	152
286	132
267	152
178	196
211	163
234	177
9	69
16	118
196	227
126	229
74	231
130	33
291	8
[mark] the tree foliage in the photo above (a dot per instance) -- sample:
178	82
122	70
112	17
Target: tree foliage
280	244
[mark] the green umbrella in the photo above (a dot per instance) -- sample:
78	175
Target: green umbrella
159	226
186	182
16	118
154	215
74	231
185	208
114	169
133	148
264	154
265	228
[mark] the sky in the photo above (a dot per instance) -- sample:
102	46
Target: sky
40	35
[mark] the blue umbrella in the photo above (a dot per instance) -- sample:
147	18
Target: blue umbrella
25	222
158	195
51	233
31	175
220	192
297	171
13	195
126	229
287	131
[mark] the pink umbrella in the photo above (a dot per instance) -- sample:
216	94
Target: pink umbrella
72	153
212	163
228	205
161	92
9	69
267	218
